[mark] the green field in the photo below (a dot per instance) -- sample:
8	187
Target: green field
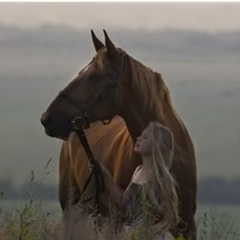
36	220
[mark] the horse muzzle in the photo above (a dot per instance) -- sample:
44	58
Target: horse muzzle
57	125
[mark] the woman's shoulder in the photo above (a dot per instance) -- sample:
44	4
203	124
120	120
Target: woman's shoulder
137	169
137	177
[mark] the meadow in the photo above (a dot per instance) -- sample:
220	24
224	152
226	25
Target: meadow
34	219
35	222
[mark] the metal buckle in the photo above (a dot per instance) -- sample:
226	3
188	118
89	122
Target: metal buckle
78	123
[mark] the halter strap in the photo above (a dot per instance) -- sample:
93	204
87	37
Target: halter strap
82	122
96	171
84	119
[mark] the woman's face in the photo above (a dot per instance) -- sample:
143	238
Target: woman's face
143	143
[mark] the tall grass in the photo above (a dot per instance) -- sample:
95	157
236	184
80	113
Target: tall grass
218	226
31	221
35	221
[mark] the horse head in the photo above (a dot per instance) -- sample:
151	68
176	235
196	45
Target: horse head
96	93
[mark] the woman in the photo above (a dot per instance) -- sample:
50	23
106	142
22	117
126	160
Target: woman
150	198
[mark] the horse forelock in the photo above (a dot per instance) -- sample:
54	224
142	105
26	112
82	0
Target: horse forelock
101	58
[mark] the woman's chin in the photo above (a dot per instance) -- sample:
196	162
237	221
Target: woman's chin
136	149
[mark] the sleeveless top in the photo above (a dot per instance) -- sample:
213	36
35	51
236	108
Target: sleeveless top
140	211
139	208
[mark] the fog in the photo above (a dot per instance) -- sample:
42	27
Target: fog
201	70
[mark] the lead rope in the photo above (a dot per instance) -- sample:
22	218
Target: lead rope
96	171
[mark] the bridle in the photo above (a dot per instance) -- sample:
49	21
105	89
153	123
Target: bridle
83	121
79	123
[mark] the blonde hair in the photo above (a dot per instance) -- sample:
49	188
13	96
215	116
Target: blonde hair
162	183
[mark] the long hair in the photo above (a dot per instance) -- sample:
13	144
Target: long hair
162	183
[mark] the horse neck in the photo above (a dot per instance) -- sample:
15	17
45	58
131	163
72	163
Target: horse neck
158	104
134	114
135	119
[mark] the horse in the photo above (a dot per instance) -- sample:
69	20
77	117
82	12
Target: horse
114	87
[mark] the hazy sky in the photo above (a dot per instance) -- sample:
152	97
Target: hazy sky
197	16
29	67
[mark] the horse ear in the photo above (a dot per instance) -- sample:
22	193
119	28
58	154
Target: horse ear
112	50
96	42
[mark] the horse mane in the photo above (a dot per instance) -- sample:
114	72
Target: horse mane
155	96
156	100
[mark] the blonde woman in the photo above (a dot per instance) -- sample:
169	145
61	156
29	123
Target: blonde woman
150	200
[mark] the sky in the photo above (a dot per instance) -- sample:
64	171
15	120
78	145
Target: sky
211	17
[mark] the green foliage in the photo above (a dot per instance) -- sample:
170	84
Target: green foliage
34	222
218	226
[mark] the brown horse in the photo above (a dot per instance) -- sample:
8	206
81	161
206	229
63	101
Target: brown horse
116	87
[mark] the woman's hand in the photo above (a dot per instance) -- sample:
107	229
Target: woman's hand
90	166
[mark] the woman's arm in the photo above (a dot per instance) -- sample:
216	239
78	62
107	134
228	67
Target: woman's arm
117	196
115	193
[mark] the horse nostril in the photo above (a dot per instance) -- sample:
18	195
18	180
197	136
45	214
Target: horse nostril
46	120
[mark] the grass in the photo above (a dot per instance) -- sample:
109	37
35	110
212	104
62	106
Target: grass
217	226
34	222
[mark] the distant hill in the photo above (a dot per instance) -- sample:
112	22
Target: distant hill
159	45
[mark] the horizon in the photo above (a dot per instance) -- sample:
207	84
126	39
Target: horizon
100	30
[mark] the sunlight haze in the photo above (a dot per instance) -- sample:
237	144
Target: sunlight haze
210	17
